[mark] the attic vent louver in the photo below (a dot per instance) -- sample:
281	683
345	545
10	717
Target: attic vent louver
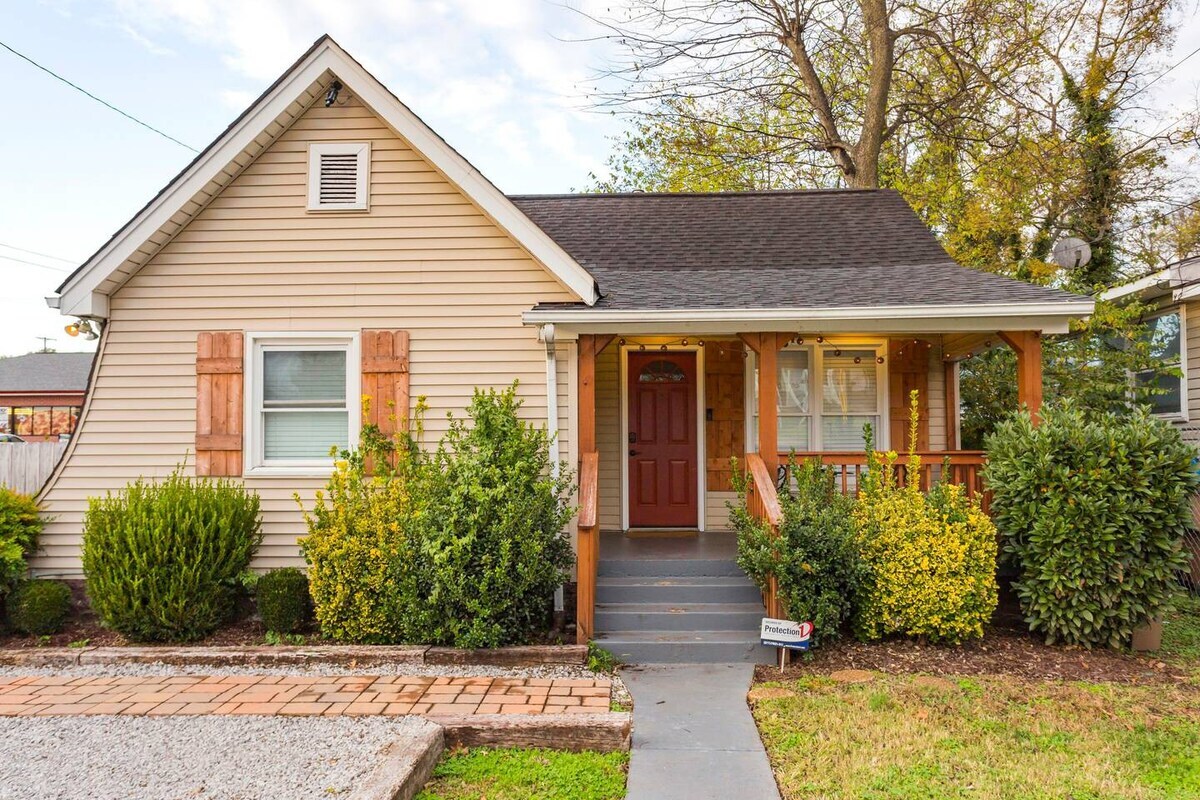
338	175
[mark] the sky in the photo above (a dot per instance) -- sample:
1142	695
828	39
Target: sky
505	82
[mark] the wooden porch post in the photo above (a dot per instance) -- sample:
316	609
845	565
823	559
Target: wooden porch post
588	543
767	346
1028	347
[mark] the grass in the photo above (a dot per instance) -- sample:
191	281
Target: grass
986	737
514	774
1181	633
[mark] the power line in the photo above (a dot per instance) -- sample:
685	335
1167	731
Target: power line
34	263
78	88
1164	73
36	253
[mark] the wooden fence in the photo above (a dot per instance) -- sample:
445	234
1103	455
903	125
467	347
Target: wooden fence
25	466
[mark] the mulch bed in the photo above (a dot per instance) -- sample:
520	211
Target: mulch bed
1002	651
243	633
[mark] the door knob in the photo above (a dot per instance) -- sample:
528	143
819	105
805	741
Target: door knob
633	452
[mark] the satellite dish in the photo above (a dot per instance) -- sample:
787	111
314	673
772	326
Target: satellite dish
1071	253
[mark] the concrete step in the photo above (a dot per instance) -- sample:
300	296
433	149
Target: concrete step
679	617
674	647
728	589
668	568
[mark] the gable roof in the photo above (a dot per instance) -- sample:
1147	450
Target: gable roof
45	372
811	250
85	292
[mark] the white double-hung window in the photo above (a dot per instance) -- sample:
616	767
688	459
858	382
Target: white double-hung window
1166	335
825	394
302	400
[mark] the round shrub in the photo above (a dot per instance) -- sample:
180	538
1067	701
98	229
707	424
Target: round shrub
162	559
463	546
20	525
284	603
1092	509
814	558
929	559
39	607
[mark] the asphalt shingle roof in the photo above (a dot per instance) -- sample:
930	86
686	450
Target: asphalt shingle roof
808	249
45	372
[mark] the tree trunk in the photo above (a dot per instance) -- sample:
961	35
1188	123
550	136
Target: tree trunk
879	85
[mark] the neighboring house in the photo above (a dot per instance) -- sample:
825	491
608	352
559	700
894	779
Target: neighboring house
330	245
41	394
1173	294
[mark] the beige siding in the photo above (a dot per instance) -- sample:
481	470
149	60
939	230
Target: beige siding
608	436
937	398
1191	328
424	259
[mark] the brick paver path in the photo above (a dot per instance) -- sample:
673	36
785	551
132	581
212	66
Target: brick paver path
299	695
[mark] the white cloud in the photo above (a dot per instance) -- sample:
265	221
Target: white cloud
503	72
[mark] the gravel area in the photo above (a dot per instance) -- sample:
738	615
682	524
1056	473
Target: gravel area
191	757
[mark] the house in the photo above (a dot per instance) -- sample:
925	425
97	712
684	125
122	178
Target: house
329	245
41	394
1172	294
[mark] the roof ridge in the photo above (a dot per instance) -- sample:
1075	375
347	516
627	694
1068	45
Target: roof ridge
747	193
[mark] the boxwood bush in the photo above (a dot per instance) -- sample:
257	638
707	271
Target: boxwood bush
39	607
815	556
929	559
283	601
1092	508
163	559
20	525
463	546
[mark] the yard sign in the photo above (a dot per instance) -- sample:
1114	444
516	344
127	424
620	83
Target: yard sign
785	633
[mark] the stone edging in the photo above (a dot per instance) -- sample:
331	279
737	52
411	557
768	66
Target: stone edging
406	766
404	769
269	656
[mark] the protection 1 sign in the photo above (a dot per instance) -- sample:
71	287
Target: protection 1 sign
785	633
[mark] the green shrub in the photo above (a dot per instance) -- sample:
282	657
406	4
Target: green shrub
39	607
930	560
1092	509
20	525
360	547
463	546
284	603
815	556
163	559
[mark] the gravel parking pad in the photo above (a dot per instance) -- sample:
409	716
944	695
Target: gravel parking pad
191	757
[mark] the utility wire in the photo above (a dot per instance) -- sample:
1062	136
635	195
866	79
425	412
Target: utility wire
105	103
34	263
1164	73
36	253
1159	216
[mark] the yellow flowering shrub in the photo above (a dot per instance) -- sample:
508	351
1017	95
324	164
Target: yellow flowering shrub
359	535
930	560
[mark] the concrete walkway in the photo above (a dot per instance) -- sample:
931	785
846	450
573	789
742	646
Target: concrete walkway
693	736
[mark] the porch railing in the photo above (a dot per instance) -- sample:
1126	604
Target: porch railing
588	547
961	467
762	501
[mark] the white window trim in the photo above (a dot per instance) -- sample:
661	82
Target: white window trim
816	364
363	189
254	464
1182	415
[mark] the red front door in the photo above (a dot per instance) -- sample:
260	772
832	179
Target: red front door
662	440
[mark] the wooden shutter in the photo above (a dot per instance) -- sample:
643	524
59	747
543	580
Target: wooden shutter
908	369
385	379
219	404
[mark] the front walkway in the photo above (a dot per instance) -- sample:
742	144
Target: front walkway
270	695
693	736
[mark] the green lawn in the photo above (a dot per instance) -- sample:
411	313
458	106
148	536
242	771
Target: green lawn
1181	635
513	774
905	736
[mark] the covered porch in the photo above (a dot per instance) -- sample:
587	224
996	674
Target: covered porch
660	416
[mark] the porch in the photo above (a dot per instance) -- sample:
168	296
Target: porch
659	419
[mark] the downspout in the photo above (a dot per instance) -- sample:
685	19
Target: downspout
546	334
